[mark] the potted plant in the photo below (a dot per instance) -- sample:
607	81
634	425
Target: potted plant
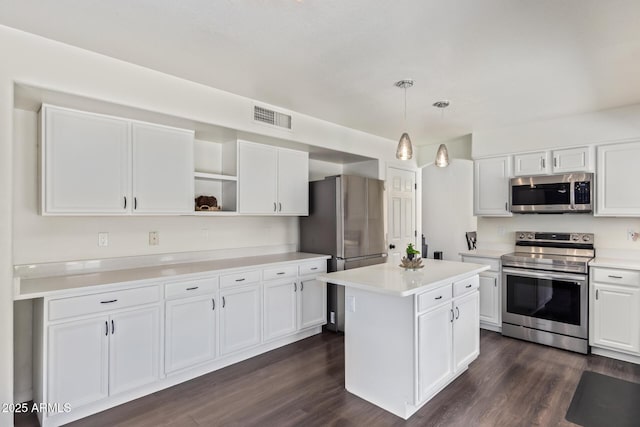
411	251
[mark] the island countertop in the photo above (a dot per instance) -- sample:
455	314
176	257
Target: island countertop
391	279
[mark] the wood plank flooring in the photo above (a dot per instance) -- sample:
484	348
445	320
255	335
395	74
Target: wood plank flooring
513	383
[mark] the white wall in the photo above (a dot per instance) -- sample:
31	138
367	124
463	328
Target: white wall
447	207
458	148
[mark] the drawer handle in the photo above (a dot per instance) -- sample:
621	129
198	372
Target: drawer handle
193	288
108	302
282	272
468	286
440	297
240	280
615	277
106	328
314	268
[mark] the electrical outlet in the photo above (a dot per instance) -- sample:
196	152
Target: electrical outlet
154	238
103	239
632	235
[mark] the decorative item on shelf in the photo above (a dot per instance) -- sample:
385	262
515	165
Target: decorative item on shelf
207	203
411	264
472	238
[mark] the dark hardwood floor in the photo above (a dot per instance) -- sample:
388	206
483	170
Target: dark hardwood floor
513	383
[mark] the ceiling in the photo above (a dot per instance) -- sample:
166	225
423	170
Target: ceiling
499	62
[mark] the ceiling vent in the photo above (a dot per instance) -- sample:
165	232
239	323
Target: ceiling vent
271	117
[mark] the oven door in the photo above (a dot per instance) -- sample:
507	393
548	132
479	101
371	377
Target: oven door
549	301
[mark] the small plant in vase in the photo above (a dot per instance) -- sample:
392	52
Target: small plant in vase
410	262
411	251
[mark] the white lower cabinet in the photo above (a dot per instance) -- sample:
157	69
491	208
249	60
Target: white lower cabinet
240	318
280	306
616	317
434	367
490	291
312	304
466	330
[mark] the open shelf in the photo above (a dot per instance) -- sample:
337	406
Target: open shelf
214	176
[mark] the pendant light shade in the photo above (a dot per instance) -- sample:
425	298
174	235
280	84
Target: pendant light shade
442	156
405	150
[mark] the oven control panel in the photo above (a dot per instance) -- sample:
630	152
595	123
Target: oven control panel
537	236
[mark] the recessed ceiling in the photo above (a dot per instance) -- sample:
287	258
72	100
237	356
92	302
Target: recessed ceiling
499	62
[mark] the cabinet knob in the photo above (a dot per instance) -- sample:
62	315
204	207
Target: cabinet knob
274	206
213	304
392	246
596	294
279	207
125	202
224	303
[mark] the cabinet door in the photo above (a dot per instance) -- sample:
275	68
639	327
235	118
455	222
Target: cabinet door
491	186
190	332
257	178
279	311
490	303
162	169
618	172
571	160
134	349
466	330
531	164
293	182
616	317
86	163
240	318
313	303
434	351
78	366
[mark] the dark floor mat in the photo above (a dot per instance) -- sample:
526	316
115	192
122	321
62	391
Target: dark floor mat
601	400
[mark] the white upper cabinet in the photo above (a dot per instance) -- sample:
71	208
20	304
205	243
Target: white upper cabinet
618	173
272	180
572	160
531	163
162	169
86	163
491	186
100	165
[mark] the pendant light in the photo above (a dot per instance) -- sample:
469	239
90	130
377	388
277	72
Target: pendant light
442	156
405	150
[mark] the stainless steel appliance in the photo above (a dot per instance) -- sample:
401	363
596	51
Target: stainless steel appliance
552	194
346	221
545	287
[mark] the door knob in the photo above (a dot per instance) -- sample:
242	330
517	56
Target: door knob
392	246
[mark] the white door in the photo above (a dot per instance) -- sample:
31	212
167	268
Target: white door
491	186
279	310
618	171
313	303
571	160
401	205
134	349
616	317
86	163
490	303
531	164
190	332
257	178
435	358
240	318
466	330
78	367
293	182
162	169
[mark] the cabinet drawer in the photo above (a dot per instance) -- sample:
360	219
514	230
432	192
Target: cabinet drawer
240	278
312	267
191	288
434	297
98	303
463	286
280	272
616	276
494	264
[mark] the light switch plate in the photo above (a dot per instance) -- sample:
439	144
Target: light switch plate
351	304
154	238
103	239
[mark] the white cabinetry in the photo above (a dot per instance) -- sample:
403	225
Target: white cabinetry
272	180
280	306
490	291
615	310
240	318
94	164
466	330
435	368
491	186
531	163
312	302
618	173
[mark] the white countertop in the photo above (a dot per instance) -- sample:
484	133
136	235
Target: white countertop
630	264
484	253
391	279
48	286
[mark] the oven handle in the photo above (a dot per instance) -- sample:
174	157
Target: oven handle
551	276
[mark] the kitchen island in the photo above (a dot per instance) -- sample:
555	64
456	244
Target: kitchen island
408	334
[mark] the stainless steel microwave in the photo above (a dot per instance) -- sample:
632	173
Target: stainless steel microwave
552	193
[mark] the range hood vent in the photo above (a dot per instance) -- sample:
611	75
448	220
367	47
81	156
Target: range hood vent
271	117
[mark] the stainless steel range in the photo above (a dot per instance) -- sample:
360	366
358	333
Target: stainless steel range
545	288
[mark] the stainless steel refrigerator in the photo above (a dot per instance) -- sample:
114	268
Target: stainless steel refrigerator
346	221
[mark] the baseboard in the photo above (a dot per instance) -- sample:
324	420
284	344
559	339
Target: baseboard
490	327
616	355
